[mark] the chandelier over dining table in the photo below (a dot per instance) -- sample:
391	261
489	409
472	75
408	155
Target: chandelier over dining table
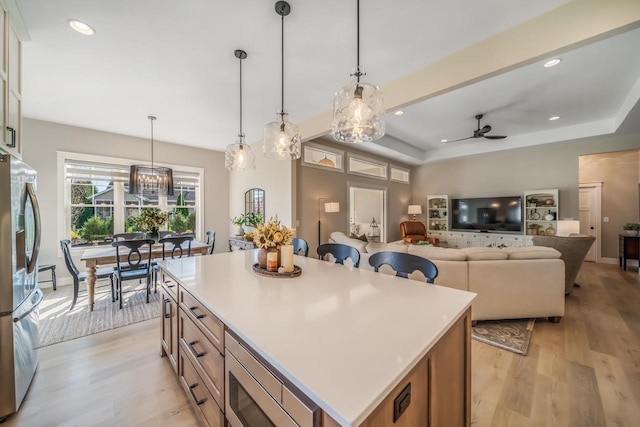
151	179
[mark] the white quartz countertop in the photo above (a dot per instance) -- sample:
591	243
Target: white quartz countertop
344	336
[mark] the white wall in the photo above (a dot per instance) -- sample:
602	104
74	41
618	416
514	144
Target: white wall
41	140
275	177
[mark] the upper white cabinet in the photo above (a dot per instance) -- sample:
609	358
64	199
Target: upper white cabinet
11	85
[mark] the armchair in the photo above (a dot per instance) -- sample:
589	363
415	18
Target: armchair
414	231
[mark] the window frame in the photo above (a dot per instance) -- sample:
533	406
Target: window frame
408	171
381	164
324	148
64	197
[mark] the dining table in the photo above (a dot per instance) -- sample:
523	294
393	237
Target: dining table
102	255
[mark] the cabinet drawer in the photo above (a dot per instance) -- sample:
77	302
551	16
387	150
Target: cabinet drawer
204	319
202	401
205	356
170	285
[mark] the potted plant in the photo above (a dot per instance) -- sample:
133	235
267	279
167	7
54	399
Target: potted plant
150	220
239	220
254	219
631	228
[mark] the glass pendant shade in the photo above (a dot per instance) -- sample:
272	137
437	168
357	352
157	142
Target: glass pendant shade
358	113
147	180
239	156
282	140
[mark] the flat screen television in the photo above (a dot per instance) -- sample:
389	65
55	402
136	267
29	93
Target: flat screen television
487	214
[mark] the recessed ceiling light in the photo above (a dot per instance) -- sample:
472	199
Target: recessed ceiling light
399	113
444	140
554	118
552	63
81	27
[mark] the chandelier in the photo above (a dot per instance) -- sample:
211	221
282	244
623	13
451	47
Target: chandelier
151	180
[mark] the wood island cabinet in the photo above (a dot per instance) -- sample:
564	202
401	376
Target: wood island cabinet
435	392
169	318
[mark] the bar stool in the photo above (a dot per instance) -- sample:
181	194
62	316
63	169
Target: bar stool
52	267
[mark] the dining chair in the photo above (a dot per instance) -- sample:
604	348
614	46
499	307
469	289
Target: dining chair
77	275
340	252
300	245
404	264
176	245
137	264
129	236
166	233
211	241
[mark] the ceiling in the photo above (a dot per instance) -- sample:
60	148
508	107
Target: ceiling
175	60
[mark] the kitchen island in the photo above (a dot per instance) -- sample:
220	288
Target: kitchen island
349	340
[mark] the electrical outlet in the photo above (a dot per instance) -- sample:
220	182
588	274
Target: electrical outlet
605	219
402	402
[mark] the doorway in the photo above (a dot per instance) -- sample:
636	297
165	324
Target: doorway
590	212
368	209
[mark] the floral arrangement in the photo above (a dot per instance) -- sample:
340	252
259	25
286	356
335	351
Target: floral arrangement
239	220
273	235
150	218
249	236
631	226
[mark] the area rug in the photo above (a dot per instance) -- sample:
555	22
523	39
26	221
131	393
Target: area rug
512	335
57	323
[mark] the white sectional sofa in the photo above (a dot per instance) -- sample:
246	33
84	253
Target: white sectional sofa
511	283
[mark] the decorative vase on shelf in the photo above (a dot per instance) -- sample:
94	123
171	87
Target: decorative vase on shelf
240	231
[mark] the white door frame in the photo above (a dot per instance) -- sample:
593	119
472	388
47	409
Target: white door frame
598	208
367	186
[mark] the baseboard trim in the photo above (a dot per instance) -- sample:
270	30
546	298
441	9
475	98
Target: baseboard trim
604	260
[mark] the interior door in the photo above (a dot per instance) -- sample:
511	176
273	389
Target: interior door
588	218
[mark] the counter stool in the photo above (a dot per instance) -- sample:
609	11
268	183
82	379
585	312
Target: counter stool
52	267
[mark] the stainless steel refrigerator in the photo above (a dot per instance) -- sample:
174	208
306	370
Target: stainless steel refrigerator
19	293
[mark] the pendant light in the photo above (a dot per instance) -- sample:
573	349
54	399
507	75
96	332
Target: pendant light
151	180
240	156
282	138
358	108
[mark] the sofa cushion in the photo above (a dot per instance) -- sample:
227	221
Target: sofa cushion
485	254
435	253
373	248
340	237
532	252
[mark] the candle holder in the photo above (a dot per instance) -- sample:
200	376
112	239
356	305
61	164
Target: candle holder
297	271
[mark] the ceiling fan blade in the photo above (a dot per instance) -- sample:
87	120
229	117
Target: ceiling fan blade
461	139
485	129
494	136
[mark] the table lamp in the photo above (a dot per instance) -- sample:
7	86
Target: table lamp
415	210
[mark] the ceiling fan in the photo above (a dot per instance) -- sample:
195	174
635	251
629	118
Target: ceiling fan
480	132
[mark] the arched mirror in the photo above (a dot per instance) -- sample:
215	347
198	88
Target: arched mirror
254	202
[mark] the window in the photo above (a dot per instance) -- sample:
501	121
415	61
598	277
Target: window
322	157
97	202
367	167
399	174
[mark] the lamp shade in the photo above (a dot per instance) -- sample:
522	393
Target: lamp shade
567	227
358	113
282	140
415	210
332	207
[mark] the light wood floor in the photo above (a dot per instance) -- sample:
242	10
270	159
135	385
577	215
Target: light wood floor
584	371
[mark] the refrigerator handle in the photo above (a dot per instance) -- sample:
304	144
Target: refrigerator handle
33	262
33	307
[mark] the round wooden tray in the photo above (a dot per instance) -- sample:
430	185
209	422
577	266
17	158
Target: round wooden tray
263	272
